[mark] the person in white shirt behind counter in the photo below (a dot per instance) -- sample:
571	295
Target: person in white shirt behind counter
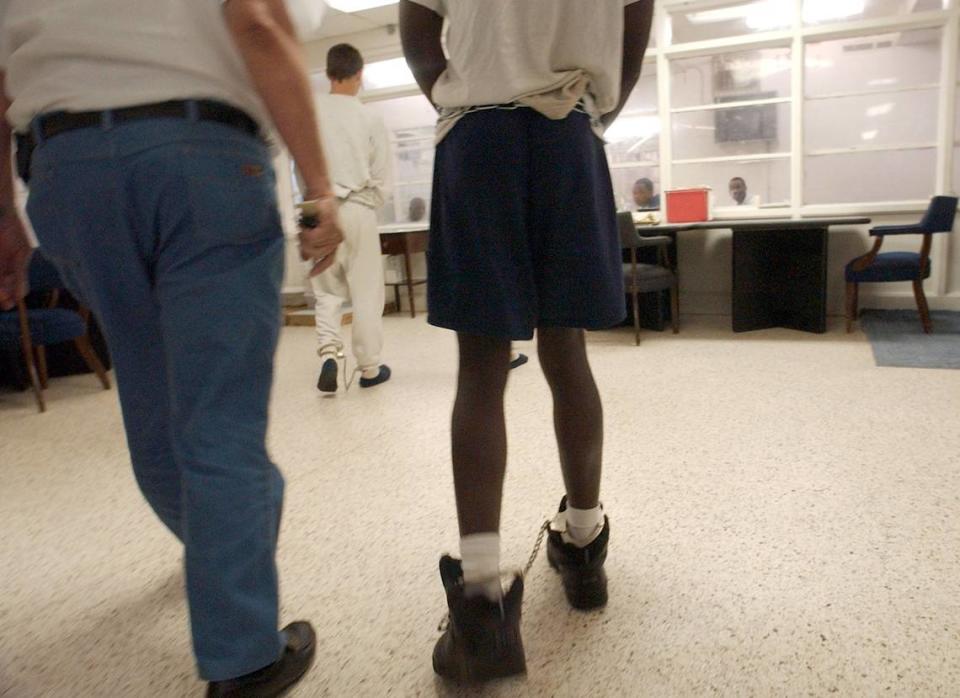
358	153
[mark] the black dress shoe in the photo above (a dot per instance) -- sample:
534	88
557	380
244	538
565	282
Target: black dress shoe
275	679
327	383
381	377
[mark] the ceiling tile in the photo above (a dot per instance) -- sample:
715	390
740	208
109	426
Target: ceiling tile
382	16
336	23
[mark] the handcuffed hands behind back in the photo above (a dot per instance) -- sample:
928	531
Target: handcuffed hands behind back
319	242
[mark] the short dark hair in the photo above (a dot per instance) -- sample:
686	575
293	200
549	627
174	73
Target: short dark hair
738	179
343	61
646	182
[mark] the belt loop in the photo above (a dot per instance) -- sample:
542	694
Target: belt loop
36	128
193	110
106	120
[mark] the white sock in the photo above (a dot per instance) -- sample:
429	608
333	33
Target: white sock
330	351
583	525
480	554
370	373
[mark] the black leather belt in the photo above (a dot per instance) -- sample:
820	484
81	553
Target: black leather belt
53	124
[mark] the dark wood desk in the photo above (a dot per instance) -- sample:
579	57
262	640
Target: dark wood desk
405	239
779	269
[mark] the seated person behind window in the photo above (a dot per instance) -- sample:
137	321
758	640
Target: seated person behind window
738	190
643	195
418	209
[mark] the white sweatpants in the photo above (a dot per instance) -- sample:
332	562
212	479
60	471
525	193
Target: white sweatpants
356	275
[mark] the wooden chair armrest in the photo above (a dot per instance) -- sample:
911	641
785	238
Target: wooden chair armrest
864	261
654	241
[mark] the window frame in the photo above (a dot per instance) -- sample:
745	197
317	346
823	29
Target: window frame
797	37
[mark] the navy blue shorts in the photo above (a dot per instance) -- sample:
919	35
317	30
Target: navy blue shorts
523	230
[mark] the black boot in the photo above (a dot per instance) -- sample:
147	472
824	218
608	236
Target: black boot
275	679
482	640
584	581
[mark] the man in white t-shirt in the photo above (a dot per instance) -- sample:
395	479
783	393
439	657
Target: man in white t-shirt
141	126
358	152
523	239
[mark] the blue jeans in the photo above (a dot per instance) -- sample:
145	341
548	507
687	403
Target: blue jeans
168	229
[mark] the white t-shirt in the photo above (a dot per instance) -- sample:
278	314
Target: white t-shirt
357	149
546	53
84	55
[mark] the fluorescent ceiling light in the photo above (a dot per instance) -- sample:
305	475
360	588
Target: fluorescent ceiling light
880	109
628	128
767	14
869	135
307	16
777	14
390	73
772	14
724	14
358	5
817	11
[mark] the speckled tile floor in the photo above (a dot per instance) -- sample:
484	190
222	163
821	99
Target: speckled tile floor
785	516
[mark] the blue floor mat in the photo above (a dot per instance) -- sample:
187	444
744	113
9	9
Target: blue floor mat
897	338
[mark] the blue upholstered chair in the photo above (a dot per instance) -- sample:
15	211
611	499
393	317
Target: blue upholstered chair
881	267
35	328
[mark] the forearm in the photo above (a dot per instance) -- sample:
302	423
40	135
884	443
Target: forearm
14	246
7	195
7	200
382	166
420	33
268	44
638	18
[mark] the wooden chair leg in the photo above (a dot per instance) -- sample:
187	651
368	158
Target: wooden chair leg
660	311
675	308
636	316
922	306
92	360
851	305
676	283
408	267
26	347
42	371
856	302
35	384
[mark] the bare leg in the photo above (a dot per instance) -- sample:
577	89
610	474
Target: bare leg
479	433
577	412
